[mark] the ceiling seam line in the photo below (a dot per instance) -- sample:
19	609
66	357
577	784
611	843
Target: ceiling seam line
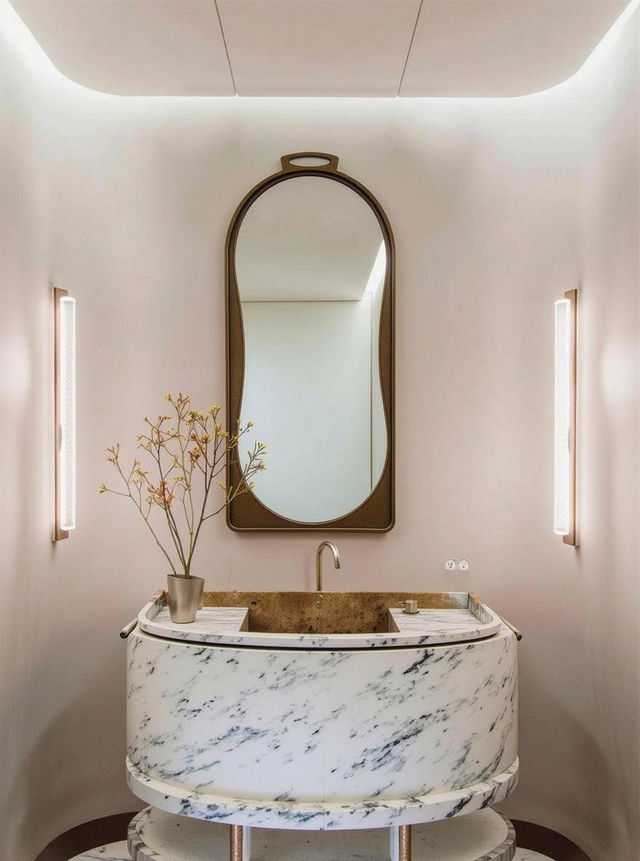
406	59
226	49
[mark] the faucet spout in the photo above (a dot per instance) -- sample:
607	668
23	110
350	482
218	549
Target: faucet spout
336	561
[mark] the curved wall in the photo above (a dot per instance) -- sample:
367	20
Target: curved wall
498	206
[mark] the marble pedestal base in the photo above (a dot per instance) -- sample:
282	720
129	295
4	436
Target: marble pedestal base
158	836
119	852
110	852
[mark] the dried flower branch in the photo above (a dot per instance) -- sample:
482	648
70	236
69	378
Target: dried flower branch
186	450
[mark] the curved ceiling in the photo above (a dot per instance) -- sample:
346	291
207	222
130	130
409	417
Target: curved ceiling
318	47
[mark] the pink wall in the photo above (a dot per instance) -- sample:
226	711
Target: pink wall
28	645
498	206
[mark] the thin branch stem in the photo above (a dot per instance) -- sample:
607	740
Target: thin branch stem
196	444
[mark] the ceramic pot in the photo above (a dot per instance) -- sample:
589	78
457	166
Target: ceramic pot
185	597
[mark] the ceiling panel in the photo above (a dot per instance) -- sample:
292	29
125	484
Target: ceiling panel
134	47
502	47
318	47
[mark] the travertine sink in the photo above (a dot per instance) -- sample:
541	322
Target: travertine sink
323	612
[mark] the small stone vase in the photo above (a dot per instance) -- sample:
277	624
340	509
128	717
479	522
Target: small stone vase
185	597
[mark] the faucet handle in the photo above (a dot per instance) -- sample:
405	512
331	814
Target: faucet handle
410	606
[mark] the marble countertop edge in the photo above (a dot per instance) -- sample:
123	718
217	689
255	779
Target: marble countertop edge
227	626
312	815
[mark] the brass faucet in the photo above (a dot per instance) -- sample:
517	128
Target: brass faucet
336	561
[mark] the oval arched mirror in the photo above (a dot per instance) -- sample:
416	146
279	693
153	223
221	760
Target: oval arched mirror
310	282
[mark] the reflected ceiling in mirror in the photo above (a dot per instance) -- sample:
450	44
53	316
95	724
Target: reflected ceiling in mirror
310	278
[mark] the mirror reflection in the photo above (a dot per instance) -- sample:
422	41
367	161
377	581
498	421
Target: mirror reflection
311	265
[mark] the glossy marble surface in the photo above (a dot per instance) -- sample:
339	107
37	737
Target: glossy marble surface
324	815
322	739
230	626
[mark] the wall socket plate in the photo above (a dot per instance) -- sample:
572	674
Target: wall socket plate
453	565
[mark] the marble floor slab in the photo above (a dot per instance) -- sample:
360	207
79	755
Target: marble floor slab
118	852
111	852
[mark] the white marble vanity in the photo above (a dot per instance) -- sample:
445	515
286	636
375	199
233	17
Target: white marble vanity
323	731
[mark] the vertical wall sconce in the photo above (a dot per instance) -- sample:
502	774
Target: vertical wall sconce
565	368
65	412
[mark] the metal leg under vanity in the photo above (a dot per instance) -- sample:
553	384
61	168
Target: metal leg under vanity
399	843
404	843
239	843
235	843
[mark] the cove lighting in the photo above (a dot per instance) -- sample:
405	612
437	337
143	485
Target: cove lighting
564	515
65	412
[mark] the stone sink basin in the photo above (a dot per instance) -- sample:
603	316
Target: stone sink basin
324	612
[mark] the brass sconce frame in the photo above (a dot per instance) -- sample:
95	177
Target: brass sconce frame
572	295
61	530
565	395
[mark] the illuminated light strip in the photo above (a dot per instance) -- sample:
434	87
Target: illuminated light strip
565	375
65	413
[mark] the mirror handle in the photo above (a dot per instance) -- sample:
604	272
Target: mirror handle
288	161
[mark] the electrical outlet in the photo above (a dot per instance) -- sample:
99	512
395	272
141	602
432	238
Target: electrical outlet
463	565
450	565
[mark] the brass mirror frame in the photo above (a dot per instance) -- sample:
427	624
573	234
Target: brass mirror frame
377	512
